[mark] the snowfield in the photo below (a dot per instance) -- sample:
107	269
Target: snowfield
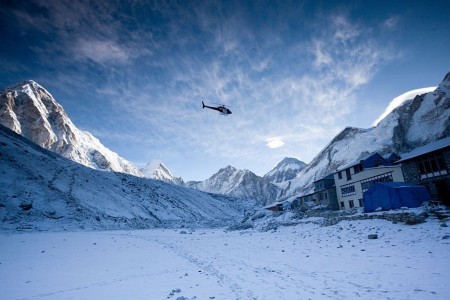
305	261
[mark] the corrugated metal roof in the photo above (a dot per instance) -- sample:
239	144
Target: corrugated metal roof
434	146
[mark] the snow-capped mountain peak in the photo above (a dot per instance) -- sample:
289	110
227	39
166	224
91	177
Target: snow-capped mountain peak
286	169
155	169
238	183
224	181
30	110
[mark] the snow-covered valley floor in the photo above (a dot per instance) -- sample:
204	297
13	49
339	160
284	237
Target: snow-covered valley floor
298	262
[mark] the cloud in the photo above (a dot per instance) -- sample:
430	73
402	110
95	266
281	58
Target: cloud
343	29
101	51
290	82
274	142
397	101
347	53
279	99
321	57
61	30
391	22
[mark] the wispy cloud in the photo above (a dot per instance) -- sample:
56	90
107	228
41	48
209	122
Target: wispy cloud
153	63
397	101
268	101
101	51
343	30
391	22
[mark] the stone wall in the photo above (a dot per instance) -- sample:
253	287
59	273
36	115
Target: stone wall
410	171
411	174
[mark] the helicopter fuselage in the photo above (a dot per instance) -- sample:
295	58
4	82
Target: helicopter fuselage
222	109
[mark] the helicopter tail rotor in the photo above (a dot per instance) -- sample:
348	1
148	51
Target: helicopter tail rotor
203	105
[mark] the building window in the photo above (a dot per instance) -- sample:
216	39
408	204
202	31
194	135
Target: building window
361	203
342	204
348	174
431	166
348	190
367	183
351	204
340	175
358	168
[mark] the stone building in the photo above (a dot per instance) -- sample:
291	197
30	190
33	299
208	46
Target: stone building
429	166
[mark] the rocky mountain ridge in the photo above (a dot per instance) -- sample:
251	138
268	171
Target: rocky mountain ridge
238	183
30	110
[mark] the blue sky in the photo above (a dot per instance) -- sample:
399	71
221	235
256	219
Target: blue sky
295	73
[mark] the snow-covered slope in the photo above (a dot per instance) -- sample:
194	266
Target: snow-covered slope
414	123
43	190
306	261
286	169
238	183
155	169
30	110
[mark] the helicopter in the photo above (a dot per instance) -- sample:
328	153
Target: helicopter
224	111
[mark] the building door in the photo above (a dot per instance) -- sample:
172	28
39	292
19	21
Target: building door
442	187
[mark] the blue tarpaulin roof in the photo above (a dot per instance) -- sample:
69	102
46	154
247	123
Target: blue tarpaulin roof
393	195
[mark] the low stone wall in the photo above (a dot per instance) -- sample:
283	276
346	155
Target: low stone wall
330	218
406	217
271	221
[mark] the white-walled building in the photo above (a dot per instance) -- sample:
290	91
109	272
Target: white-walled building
354	179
